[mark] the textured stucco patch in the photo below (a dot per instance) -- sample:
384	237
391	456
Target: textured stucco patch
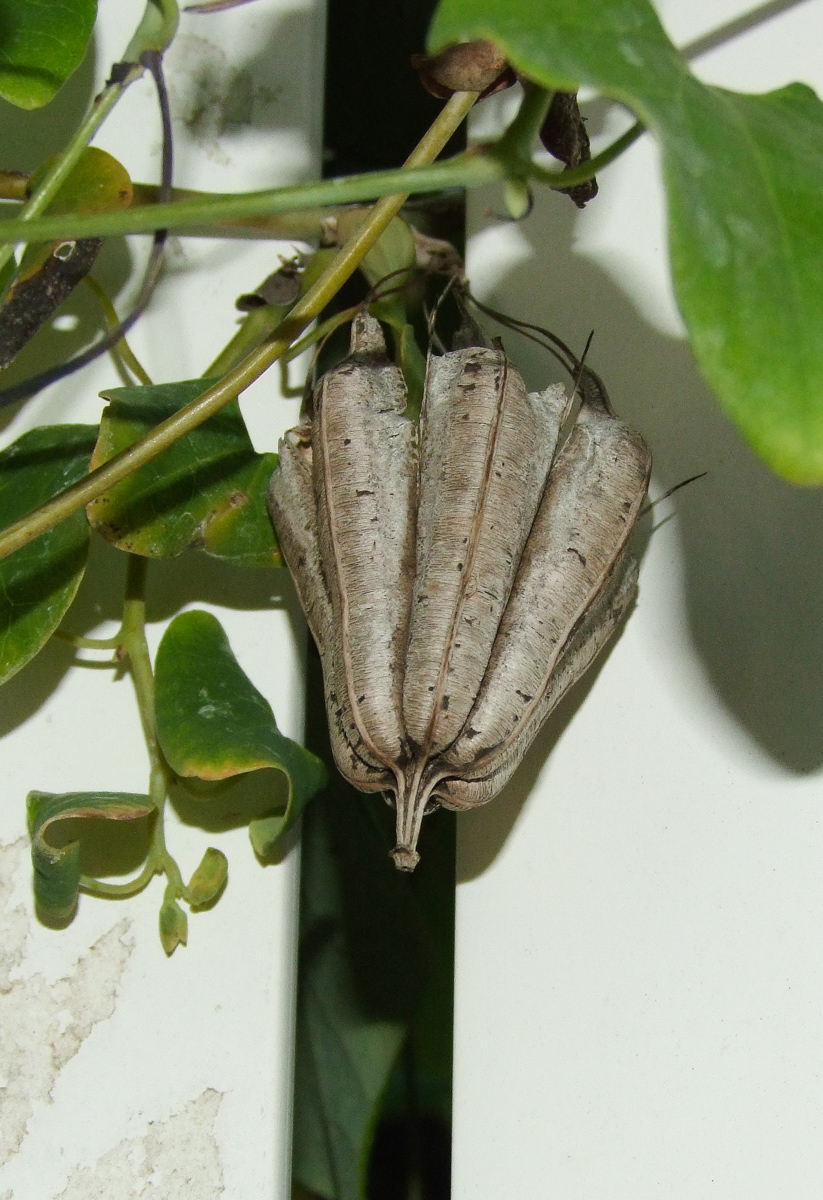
42	1024
177	1159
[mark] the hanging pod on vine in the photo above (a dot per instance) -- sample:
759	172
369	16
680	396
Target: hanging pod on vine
457	578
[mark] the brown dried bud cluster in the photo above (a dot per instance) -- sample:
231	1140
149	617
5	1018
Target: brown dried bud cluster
564	135
468	67
481	67
459	578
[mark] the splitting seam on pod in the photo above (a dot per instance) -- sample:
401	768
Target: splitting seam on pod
458	581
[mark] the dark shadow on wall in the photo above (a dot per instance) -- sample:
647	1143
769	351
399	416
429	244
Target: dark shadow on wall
27	137
752	544
483	831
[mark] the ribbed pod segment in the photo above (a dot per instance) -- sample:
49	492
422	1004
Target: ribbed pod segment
455	594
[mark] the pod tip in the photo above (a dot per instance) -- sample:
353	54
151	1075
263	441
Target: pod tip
405	858
367	336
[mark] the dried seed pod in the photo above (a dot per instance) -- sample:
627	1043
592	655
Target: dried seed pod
454	596
478	495
365	481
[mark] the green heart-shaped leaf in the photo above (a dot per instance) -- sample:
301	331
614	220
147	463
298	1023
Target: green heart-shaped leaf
212	723
206	492
744	179
57	869
39	581
42	45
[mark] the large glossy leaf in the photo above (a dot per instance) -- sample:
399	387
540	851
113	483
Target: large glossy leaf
41	44
744	178
49	271
57	867
39	581
213	723
206	492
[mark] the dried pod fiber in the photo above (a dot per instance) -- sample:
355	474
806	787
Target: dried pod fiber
456	592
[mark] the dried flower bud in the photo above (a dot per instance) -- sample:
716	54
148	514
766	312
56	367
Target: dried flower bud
459	582
564	135
281	288
468	67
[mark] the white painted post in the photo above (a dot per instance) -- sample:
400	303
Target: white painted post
123	1071
639	997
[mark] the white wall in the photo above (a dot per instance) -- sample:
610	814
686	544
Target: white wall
639	1006
119	1066
639	979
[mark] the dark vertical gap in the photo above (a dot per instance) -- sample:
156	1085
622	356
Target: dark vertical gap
375	112
375	108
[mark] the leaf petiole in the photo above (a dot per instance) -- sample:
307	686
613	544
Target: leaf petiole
131	639
571	176
121	351
86	643
120	891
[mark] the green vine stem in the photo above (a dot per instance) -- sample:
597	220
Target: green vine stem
122	352
133	642
67	161
566	179
132	645
303	226
157	27
257	326
469	169
517	142
261	323
472	168
215	398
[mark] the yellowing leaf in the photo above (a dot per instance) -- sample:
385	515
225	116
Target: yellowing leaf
49	271
57	868
212	723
